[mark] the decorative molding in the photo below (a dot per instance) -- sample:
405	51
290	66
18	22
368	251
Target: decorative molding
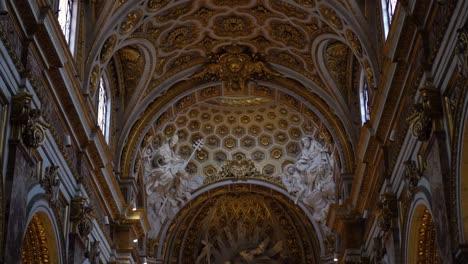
81	215
92	252
423	115
242	169
379	249
51	183
29	126
235	66
414	173
461	50
388	211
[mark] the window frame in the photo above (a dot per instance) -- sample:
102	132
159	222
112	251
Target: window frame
68	29
103	86
364	98
388	11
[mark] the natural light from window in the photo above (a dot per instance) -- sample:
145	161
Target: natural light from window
364	99
65	17
103	110
388	9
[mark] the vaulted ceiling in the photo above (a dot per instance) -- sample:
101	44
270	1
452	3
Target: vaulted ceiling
151	49
250	77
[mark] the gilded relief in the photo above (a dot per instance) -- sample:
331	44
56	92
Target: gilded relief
233	26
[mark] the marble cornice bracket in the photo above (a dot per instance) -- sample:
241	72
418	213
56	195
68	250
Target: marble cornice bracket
424	115
28	125
81	215
387	211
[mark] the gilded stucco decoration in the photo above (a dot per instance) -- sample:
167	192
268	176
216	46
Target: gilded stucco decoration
133	63
178	37
240	169
428	251
233	26
236	66
39	243
288	35
94	80
201	38
237	226
108	48
155	5
354	42
331	17
131	19
268	133
338	58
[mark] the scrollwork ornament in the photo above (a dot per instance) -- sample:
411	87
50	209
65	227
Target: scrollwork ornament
29	125
235	66
420	121
81	215
35	129
85	226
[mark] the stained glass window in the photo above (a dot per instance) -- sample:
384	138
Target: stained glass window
388	9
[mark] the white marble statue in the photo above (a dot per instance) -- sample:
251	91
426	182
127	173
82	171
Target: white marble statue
311	178
168	185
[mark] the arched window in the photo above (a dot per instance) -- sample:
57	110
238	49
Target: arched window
388	9
103	116
66	18
364	98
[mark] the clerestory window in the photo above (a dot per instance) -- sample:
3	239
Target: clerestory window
388	9
103	110
64	16
364	98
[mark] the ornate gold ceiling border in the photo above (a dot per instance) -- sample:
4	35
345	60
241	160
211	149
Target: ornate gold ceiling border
153	113
178	231
243	170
